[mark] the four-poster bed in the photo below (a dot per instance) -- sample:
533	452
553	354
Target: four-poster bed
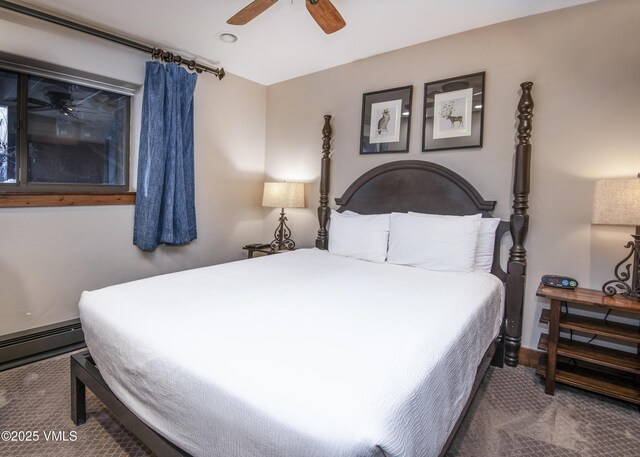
340	373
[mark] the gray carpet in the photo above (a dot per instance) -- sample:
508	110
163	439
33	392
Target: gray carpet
511	416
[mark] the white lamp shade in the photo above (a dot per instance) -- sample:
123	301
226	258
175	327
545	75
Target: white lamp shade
617	202
283	195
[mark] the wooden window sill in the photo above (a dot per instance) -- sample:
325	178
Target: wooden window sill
23	200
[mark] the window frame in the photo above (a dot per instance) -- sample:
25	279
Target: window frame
22	186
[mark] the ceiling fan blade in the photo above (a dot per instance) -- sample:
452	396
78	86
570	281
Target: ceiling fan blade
251	11
36	101
39	105
326	15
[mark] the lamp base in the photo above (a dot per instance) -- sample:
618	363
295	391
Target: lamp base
627	271
282	235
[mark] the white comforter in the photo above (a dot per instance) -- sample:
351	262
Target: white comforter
303	354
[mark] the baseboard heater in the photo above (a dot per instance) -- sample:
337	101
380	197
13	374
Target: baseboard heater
40	343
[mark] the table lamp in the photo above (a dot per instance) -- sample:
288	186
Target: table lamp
617	202
283	195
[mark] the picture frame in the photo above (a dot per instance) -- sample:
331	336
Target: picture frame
386	121
453	115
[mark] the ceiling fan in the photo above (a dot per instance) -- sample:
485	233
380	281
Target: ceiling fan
73	101
54	100
61	100
322	11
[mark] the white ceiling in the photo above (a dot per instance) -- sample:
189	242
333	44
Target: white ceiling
285	42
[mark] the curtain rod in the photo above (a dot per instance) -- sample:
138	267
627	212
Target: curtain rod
155	53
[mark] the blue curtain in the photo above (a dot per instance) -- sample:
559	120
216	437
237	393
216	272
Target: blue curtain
165	208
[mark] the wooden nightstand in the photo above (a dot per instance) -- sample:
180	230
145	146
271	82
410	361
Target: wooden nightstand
606	371
266	250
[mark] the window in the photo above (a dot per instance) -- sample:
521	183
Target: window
8	127
59	136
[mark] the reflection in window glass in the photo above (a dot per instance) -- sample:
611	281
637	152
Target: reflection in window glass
8	126
76	134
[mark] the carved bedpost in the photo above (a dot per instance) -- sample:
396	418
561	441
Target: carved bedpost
322	242
519	225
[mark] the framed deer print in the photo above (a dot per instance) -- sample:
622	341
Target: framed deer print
453	113
386	121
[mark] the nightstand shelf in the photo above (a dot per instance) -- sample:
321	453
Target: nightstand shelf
594	379
624	332
581	364
597	355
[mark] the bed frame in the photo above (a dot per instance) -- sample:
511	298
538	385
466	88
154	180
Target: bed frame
406	185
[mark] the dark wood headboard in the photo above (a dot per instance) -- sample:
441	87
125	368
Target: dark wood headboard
413	185
420	186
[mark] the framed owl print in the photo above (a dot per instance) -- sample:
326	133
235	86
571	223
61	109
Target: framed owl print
453	113
386	121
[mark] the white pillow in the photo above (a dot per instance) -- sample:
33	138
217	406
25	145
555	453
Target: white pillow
486	240
433	242
363	237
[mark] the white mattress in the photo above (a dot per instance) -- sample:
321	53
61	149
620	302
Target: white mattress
298	354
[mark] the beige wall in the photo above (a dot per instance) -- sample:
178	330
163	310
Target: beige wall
585	63
48	256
